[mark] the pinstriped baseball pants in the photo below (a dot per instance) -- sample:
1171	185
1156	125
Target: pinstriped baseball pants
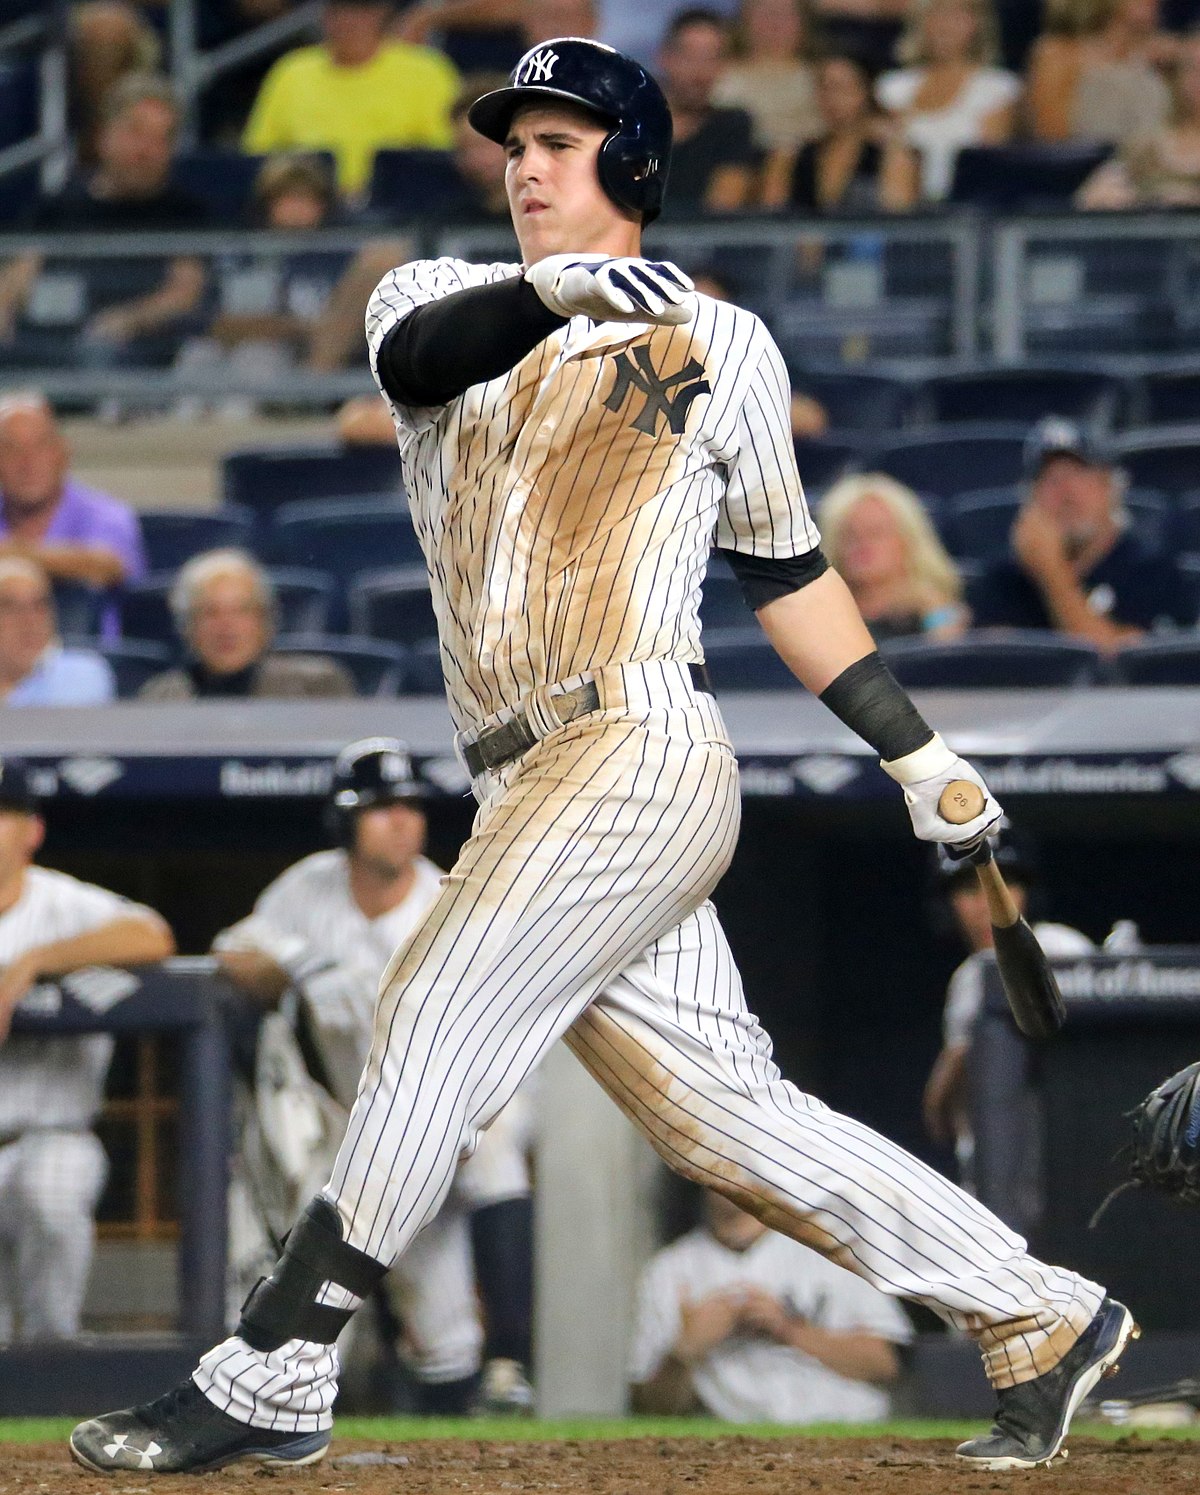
578	909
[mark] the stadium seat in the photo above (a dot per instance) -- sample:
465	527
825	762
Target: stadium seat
742	659
425	676
855	402
807	329
1020	395
304	599
1160	661
19	88
411	184
378	669
952	460
79	608
823	459
987	660
1170	397
344	535
1007	178
1190	566
132	661
173	536
721	603
394	604
977	525
1167	459
223	180
263	478
1187	522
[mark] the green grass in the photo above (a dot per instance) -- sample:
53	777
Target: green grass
513	1430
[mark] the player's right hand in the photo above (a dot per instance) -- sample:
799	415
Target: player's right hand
923	775
614	290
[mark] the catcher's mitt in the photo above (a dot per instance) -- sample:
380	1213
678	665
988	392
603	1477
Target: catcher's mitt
1165	1151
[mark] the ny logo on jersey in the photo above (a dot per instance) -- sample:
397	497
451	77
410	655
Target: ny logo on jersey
640	374
539	68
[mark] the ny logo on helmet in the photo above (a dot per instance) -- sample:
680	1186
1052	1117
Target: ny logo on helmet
640	374
539	68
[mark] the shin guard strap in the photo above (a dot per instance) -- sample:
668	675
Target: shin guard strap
283	1306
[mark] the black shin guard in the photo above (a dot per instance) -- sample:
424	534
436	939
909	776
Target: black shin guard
284	1305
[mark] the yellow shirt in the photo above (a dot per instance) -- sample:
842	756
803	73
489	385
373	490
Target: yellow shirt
400	98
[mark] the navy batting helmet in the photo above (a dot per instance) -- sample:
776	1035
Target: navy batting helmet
619	91
375	771
1011	853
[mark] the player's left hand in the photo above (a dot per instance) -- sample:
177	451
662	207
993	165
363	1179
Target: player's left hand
923	775
614	290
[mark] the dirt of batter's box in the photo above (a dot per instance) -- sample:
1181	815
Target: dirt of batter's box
639	1466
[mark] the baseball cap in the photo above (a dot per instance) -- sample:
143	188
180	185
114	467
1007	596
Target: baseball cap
1056	436
16	786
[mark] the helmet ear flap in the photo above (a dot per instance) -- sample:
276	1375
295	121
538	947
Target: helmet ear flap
339	825
631	174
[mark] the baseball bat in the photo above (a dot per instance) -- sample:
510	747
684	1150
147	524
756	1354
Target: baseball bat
1029	984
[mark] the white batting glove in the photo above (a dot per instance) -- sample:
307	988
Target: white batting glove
614	290
923	775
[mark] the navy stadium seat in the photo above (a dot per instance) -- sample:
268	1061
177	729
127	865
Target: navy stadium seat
173	536
742	659
345	536
425	677
721	602
1160	661
1170	397
394	604
977	525
19	87
408	184
304	600
262	478
223	180
378	669
1190	566
132	661
1020	395
988	660
951	460
855	402
1187	522
79	608
823	459
1167	459
1024	176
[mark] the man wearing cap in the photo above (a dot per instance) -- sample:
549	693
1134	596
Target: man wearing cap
312	952
1075	566
52	1167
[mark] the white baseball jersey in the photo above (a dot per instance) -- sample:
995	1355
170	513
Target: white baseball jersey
54	1082
567	508
964	993
748	1378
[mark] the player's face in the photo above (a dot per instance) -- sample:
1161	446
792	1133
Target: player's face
872	547
968	903
26	625
388	837
33	459
554	194
1077	496
228	628
733	1227
20	836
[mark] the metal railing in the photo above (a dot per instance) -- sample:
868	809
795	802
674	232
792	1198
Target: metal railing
50	145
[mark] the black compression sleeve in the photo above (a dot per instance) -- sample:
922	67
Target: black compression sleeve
870	700
466	338
763	578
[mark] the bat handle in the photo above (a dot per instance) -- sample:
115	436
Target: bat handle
960	801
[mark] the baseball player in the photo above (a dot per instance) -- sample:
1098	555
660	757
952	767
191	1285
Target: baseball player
577	431
312	952
52	1166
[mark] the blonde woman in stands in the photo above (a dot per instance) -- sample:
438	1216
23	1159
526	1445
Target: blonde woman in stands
877	535
1096	73
772	75
950	93
1160	170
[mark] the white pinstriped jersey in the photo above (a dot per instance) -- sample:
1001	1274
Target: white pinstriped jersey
566	509
54	1082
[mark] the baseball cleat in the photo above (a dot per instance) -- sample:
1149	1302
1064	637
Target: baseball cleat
1032	1419
183	1433
504	1391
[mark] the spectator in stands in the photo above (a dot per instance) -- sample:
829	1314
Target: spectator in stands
224	609
950	93
109	40
52	1166
1160	170
110	310
736	1321
355	93
1075	567
303	309
876	533
75	533
772	76
713	161
1095	73
479	163
35	669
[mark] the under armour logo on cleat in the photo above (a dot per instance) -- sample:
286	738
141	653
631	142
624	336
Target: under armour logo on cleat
145	1455
539	68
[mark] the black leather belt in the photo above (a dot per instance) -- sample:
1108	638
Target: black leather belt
501	744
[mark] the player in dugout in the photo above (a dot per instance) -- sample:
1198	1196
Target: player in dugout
576	431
